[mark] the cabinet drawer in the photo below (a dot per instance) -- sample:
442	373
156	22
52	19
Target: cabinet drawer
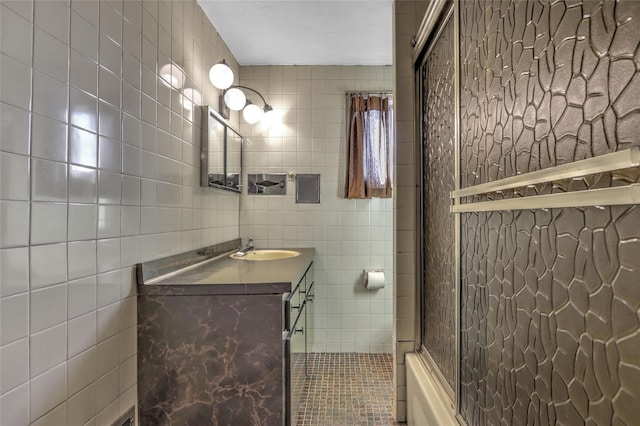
292	306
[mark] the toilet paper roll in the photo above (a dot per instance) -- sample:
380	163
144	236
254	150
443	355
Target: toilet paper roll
374	280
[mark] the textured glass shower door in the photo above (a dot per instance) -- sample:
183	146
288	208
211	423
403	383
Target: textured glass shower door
436	82
534	317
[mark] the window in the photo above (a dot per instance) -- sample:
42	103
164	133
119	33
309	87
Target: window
369	152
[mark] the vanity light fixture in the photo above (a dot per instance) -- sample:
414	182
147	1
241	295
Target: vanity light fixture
234	98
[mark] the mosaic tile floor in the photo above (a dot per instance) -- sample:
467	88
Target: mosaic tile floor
348	389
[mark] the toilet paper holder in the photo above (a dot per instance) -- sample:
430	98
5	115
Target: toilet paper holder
373	279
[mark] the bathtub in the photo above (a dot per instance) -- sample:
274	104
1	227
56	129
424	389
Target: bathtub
428	403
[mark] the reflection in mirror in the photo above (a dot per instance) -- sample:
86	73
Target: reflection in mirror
221	153
233	159
216	131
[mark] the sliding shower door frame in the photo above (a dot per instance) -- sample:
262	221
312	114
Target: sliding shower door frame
437	16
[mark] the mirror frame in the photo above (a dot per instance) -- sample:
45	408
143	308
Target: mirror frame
228	184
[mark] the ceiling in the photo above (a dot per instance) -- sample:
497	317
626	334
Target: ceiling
304	32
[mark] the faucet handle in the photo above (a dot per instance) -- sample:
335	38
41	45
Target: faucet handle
249	241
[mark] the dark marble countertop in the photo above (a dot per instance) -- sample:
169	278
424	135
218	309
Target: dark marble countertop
232	276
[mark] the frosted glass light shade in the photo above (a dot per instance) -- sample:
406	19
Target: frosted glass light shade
221	75
172	75
252	113
235	99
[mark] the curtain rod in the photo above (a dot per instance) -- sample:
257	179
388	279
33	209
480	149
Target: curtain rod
369	92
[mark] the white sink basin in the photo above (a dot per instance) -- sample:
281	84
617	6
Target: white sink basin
266	255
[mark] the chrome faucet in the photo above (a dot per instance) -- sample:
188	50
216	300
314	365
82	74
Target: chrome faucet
246	248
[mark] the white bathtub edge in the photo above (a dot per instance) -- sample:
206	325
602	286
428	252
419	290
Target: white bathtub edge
428	403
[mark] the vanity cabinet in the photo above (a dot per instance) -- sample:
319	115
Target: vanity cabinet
225	343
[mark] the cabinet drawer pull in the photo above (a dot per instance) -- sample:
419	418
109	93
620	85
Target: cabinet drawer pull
300	330
295	307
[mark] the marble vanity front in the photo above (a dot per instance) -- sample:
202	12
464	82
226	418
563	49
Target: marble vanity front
210	341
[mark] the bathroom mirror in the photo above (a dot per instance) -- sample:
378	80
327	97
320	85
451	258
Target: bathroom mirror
221	153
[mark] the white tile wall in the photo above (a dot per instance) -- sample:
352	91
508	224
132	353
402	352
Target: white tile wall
349	235
98	170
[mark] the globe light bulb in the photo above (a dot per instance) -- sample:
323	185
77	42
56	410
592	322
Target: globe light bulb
252	113
235	99
221	75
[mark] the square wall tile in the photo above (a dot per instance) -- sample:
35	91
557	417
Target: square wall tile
48	307
110	54
82	406
48	265
47	349
53	17
109	87
57	416
14	224
83	185
50	97
48	223
14	177
81	296
15	35
83	147
130	191
131	70
15	318
83	110
82	259
108	255
109	285
81	371
108	355
48	138
111	22
83	73
49	182
14	129
14	406
84	35
110	151
83	222
48	390
108	321
109	188
15	83
108	389
109	221
14	274
89	10
82	334
50	56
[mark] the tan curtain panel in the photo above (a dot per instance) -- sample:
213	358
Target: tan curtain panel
369	159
